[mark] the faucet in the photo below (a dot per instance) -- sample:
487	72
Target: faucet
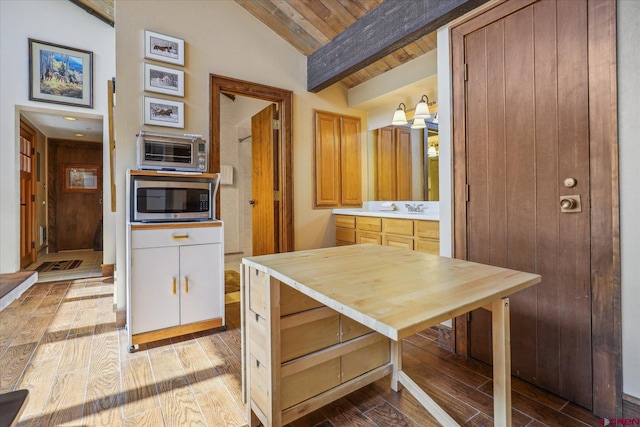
413	207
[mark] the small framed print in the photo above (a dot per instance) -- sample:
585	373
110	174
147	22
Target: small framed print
163	80
81	178
163	112
163	48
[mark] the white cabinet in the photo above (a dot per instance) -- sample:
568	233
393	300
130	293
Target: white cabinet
175	280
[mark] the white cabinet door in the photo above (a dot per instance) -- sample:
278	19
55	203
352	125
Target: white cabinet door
202	293
154	305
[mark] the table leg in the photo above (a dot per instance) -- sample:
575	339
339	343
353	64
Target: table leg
396	359
501	363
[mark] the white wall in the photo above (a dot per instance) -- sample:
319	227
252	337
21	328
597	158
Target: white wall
629	129
59	22
220	38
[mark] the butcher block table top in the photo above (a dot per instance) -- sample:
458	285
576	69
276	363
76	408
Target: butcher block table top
396	292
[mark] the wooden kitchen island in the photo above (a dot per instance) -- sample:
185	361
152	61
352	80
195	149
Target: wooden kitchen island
322	323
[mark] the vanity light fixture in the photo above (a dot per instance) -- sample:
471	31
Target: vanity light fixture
420	112
418	123
422	109
400	116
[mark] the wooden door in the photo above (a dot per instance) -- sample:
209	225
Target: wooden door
526	132
76	210
27	196
264	182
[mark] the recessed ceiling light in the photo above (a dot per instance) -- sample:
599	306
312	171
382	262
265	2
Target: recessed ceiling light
69	118
79	134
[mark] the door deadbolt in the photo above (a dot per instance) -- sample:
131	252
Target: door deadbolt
570	204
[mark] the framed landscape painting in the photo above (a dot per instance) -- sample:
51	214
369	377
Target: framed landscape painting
163	80
60	74
163	112
163	48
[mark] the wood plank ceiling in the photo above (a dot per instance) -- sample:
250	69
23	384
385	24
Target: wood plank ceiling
307	25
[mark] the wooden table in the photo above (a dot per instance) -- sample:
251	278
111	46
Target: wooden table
394	292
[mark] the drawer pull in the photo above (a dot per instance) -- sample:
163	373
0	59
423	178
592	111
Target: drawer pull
180	236
186	285
174	286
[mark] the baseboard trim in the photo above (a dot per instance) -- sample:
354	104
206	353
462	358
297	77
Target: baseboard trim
108	270
630	407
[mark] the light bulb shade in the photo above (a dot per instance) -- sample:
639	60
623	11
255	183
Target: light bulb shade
400	117
431	152
422	109
418	124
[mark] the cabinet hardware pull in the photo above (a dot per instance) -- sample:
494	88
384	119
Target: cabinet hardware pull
186	285
180	236
174	286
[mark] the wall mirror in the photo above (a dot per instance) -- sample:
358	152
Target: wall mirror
403	163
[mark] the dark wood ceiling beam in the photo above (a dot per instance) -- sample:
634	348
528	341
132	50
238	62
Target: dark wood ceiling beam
383	30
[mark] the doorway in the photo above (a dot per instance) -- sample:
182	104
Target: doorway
283	236
67	156
527	95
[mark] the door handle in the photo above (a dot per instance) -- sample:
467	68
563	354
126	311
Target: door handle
174	286
570	204
186	285
252	202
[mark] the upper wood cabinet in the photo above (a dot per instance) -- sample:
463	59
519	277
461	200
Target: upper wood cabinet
337	153
393	164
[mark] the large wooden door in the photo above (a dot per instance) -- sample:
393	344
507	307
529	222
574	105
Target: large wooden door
526	148
264	182
75	211
27	196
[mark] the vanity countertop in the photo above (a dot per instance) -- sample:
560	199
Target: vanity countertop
429	211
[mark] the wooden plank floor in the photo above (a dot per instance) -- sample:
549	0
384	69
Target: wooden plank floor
59	340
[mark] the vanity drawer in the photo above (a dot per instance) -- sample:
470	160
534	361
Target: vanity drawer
366	223
403	227
398	241
428	229
346	221
346	235
428	246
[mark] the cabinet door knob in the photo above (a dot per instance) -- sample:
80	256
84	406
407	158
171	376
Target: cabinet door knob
186	285
174	286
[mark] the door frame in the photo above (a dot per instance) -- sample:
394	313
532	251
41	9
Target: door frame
606	318
30	221
284	99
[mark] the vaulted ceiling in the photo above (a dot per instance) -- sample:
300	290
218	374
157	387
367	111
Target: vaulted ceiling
307	25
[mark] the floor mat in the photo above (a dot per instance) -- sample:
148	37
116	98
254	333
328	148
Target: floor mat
58	265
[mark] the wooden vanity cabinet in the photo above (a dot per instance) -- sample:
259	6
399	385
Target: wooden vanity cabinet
418	235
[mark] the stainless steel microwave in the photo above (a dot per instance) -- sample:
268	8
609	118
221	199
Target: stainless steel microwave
165	197
169	152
